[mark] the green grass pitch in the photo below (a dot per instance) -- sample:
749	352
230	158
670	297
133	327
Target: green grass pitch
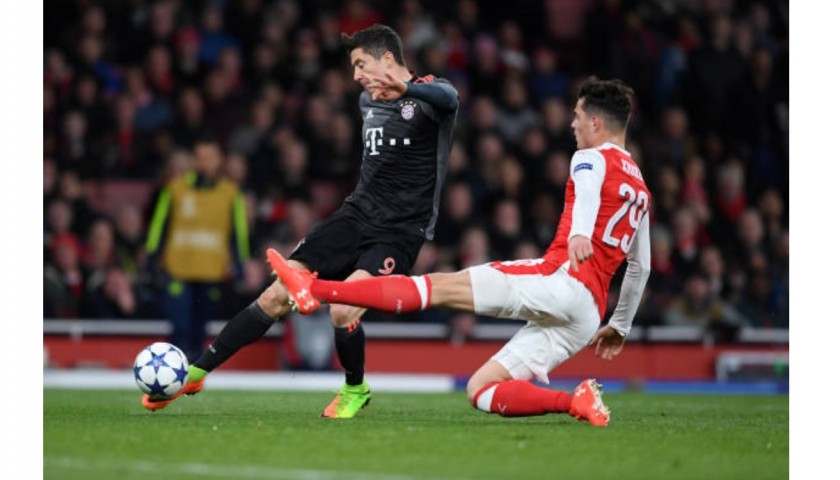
278	435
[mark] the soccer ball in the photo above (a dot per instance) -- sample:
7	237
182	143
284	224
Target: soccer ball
161	369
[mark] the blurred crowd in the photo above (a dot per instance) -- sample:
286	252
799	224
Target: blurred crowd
130	85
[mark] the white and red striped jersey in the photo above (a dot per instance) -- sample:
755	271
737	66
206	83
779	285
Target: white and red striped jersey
606	200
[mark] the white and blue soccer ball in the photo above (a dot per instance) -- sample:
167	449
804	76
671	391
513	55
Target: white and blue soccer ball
161	369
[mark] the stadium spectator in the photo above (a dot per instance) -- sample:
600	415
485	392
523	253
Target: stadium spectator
456	214
64	280
556	174
70	189
713	70
555	122
668	190
50	179
697	306
688	240
753	247
129	252
772	208
98	252
415	27
532	156
544	213
188	69
546	80
714	269
223	107
248	138
59	220
159	73
506	229
664	277
694	190
110	294
214	37
516	114
152	112
88	101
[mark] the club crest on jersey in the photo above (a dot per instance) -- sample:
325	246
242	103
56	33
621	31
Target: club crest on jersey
407	111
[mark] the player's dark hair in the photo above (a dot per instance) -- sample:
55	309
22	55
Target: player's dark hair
612	99
375	40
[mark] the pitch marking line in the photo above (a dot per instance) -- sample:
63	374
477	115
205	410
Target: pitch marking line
223	471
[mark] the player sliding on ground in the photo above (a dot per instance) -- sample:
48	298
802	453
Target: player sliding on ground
562	295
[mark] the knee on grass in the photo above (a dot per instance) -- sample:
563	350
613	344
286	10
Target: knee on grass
475	386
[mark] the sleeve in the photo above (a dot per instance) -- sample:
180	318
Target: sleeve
158	222
635	278
587	171
440	95
240	227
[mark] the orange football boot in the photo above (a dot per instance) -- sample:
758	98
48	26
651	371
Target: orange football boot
296	281
153	404
587	404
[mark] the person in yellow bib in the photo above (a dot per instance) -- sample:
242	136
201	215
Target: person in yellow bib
198	235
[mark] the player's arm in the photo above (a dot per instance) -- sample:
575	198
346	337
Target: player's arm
610	339
440	95
240	243
240	228
635	279
157	225
587	171
157	231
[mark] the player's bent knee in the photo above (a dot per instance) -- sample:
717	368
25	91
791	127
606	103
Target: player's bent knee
343	315
273	300
474	385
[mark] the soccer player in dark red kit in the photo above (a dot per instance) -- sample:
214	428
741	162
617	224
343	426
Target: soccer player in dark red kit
408	127
562	296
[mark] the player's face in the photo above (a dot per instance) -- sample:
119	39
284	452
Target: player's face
583	125
365	67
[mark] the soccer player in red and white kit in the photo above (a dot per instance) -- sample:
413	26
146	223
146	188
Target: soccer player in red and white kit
562	295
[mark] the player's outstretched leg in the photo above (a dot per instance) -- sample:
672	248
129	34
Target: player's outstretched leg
296	281
520	398
195	382
246	327
587	404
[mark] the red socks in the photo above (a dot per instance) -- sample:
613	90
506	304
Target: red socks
518	398
394	294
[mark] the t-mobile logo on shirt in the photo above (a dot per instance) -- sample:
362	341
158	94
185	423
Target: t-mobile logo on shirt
375	136
373	139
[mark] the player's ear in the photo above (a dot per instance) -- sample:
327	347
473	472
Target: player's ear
388	58
597	122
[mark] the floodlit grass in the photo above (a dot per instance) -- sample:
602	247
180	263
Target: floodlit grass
245	435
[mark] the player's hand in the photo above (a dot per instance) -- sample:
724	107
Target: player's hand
608	343
580	249
386	87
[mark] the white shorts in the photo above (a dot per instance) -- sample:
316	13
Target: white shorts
561	314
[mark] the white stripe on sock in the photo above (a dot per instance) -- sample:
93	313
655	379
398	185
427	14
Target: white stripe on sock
485	400
422	290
